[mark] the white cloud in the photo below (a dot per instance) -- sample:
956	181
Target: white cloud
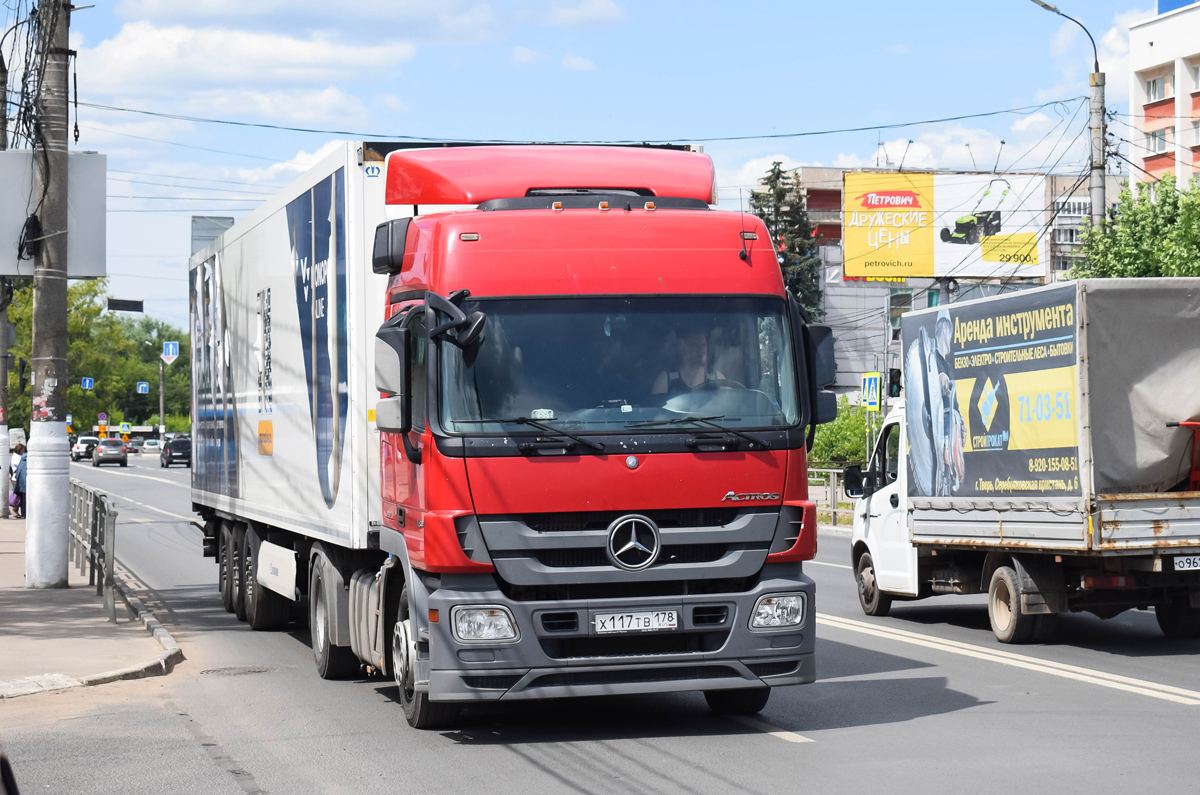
1024	123
745	176
897	49
391	101
1064	38
1075	56
288	169
573	63
524	55
293	106
587	13
145	59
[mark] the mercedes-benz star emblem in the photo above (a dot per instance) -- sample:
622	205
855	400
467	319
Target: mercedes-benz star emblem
633	542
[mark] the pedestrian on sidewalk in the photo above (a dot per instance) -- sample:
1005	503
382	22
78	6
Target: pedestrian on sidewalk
17	453
18	484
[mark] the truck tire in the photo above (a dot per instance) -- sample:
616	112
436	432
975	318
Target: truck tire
419	711
333	662
225	566
1177	619
265	609
238	583
874	601
1009	624
748	701
1044	628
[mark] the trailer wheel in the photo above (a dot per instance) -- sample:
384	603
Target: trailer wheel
1177	619
265	609
748	701
419	711
333	662
225	566
874	601
1009	624
239	571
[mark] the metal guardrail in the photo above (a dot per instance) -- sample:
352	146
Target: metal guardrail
92	521
824	489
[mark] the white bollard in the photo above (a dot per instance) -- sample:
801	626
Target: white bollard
47	497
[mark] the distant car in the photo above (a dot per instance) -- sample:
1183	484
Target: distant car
152	446
83	447
177	450
110	451
135	445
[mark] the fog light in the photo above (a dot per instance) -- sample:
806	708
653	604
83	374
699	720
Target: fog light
484	623
778	610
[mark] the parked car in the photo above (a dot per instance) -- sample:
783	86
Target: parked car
152	446
83	447
176	451
110	451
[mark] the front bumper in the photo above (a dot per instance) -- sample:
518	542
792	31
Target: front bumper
578	662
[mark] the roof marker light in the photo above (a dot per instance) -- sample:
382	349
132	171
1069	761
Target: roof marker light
749	235
650	206
603	206
557	206
469	236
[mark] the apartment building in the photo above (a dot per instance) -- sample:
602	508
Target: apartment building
1163	124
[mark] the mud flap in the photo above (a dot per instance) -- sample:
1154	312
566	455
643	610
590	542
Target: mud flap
1043	586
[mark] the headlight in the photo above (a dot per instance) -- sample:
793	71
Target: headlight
484	623
778	611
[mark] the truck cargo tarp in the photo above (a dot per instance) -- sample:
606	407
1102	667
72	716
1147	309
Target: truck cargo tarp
991	400
1143	369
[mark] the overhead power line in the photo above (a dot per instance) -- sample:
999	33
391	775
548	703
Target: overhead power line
1026	110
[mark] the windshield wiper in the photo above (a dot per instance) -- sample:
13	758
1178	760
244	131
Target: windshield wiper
709	421
597	446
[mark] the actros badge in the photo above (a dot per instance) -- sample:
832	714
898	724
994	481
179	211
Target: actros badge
763	497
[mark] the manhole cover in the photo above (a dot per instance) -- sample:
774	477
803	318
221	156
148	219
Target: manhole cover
238	670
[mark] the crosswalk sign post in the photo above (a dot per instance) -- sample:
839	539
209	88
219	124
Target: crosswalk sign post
870	391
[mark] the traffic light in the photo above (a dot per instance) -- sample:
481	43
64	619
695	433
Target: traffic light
893	382
22	379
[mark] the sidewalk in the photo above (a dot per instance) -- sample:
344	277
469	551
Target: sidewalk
57	638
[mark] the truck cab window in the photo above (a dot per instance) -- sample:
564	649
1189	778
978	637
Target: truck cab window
419	347
886	461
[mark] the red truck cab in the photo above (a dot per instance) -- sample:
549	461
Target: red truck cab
595	400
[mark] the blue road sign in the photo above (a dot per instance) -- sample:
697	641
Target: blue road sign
870	391
170	349
143	387
88	383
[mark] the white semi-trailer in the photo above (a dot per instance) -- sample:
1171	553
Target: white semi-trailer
1042	454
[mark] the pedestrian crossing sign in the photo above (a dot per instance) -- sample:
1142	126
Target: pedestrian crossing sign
870	391
125	428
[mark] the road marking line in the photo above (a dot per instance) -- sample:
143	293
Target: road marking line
774	731
143	477
1178	695
835	565
117	498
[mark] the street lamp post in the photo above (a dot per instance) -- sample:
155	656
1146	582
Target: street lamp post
1096	186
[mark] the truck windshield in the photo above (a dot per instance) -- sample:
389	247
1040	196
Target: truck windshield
605	364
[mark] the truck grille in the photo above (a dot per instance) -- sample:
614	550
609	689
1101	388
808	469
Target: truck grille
624	590
600	520
597	556
633	645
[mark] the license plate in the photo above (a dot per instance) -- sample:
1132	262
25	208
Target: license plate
1187	563
636	622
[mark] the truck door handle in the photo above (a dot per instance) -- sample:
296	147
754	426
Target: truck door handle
895	500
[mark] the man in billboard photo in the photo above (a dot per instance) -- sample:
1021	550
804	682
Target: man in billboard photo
936	431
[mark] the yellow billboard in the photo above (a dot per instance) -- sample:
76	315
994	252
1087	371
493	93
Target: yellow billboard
978	226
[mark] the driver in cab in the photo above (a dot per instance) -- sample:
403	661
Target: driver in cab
692	374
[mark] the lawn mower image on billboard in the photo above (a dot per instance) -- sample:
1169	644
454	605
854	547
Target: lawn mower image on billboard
979	223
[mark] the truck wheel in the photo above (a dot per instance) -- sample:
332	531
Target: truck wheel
225	566
1009	624
737	702
333	662
239	571
1177	619
874	601
1044	628
265	609
419	711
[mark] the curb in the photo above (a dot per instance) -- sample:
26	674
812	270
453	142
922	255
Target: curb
831	530
161	665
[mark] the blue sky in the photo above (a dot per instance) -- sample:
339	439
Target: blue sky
561	70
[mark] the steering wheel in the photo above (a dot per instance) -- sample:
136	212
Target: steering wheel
718	383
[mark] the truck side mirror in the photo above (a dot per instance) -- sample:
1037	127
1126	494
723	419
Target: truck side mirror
388	254
852	481
818	341
393	361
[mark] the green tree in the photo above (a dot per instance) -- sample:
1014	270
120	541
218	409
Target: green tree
107	348
1149	235
781	207
843	441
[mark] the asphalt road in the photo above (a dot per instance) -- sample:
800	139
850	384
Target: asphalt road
923	700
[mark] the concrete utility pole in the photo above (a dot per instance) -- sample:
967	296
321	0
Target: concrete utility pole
4	512
47	470
1097	154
